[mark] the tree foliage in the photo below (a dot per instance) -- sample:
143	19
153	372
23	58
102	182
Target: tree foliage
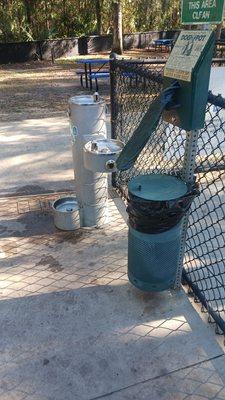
41	19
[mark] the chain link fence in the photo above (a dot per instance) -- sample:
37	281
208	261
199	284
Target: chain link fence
134	85
220	49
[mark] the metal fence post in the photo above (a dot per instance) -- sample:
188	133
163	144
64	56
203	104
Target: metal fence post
188	176
113	102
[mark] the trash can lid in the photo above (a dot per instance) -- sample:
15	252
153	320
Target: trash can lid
157	187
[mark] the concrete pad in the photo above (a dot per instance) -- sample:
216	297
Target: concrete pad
73	327
201	381
36	156
92	341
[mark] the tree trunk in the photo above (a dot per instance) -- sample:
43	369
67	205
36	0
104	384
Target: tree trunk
47	13
98	8
164	6
175	17
218	30
28	7
117	28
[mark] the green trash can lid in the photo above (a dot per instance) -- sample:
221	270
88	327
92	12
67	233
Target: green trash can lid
157	187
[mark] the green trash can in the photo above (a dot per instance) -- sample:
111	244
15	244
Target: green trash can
156	206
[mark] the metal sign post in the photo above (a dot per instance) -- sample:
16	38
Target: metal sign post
189	64
194	12
188	176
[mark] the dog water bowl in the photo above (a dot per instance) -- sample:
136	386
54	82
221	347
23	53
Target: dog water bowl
66	214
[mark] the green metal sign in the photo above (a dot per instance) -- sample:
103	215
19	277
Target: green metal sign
190	64
202	11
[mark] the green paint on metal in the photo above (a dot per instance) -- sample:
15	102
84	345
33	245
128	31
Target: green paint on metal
157	187
153	259
190	64
202	11
146	127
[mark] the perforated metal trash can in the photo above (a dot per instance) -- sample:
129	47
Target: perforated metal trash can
157	203
153	258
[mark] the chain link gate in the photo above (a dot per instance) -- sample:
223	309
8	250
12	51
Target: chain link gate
134	84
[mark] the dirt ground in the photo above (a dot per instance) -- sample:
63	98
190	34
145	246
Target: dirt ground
36	89
41	89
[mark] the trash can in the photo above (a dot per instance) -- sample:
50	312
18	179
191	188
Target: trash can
156	206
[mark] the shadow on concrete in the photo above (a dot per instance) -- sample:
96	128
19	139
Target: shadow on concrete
36	152
85	343
38	187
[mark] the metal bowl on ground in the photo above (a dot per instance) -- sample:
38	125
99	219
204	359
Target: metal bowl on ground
66	214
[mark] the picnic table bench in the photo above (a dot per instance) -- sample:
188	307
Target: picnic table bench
163	43
87	74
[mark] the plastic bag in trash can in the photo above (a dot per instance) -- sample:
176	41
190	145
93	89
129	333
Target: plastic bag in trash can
148	216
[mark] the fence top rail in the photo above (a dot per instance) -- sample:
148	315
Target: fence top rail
143	61
218	60
220	41
156	61
138	67
216	100
139	70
